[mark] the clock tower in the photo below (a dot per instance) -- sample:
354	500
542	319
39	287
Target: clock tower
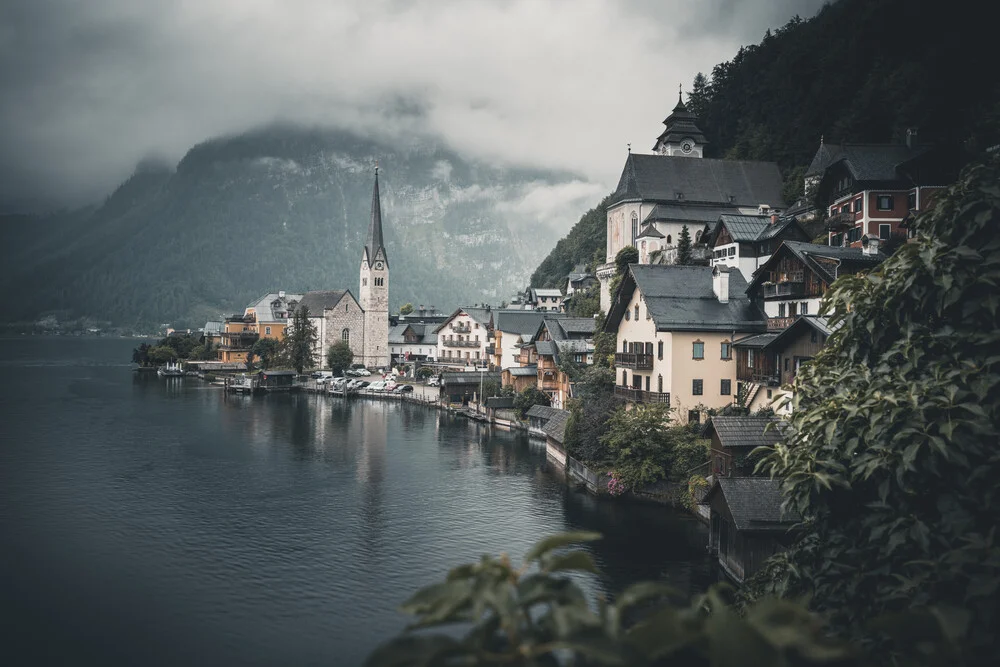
681	136
374	290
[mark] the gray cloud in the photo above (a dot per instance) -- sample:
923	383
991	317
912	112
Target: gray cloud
88	89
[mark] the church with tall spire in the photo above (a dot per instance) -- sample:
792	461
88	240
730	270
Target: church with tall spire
362	323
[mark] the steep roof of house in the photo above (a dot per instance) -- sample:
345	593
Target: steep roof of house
666	178
319	301
422	330
756	340
545	291
650	231
825	155
546	348
749	228
555	427
483	316
542	411
802	323
680	298
688	213
523	371
877	162
755	502
212	327
852	259
519	321
566	328
746	431
266	311
469	378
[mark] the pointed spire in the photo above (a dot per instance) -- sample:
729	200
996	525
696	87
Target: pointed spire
374	242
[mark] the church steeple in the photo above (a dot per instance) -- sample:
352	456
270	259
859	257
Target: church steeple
681	135
374	244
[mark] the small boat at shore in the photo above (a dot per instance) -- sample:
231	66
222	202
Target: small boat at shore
171	369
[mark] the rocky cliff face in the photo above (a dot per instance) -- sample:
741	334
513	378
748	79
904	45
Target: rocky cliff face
278	208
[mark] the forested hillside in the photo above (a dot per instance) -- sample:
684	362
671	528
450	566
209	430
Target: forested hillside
278	208
859	71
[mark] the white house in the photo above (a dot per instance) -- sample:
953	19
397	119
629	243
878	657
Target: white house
465	337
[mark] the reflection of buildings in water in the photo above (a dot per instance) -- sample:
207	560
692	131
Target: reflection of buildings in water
370	474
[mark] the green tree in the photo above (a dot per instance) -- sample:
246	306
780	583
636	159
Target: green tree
162	354
406	309
267	350
627	255
585	303
339	357
891	451
590	414
302	341
491	388
529	397
684	246
140	355
699	97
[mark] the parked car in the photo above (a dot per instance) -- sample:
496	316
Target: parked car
434	382
363	372
403	389
377	386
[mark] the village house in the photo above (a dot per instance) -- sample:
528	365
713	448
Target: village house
869	189
579	279
413	341
733	439
265	317
766	364
794	279
675	327
543	299
466	337
658	195
746	242
512	329
747	523
559	342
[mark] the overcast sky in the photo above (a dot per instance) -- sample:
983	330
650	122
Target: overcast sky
90	87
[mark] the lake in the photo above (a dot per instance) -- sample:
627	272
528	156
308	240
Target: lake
159	521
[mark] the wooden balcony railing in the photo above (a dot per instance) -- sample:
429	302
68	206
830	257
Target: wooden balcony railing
767	378
640	396
779	323
792	289
460	343
635	361
461	328
840	221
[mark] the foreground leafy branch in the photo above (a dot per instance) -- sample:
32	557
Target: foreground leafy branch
536	615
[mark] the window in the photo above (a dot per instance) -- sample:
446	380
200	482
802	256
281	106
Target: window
884	232
812	338
345	335
732	251
659	350
364	282
697	236
846	208
750	355
885	202
857	205
769	393
697	387
727	387
911	200
804	310
624	378
637	312
837	240
635	226
267	331
726	351
781	310
670	239
624	347
786	363
647	383
698	350
659	383
694	417
628	314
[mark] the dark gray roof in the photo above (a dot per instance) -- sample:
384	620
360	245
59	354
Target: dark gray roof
756	340
519	321
555	427
542	411
727	182
482	315
546	348
755	502
877	162
820	324
500	402
650	231
567	328
212	327
752	228
374	245
319	301
746	431
472	377
521	371
688	213
423	330
826	155
680	298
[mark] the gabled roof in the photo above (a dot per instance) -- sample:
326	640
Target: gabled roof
566	328
708	214
812	254
542	411
321	300
815	322
661	178
523	371
826	155
754	502
555	427
546	348
470	378
650	231
745	431
423	331
756	341
483	316
877	162
752	228
519	321
212	327
680	298
545	291
274	307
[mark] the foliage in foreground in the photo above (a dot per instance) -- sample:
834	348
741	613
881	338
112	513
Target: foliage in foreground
891	455
497	614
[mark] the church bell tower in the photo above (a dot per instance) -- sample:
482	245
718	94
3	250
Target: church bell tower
374	290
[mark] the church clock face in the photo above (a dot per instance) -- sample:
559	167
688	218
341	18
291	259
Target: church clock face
378	266
687	146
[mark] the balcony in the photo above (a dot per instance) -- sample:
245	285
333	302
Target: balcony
461	328
460	343
838	222
634	361
779	323
766	377
639	396
786	289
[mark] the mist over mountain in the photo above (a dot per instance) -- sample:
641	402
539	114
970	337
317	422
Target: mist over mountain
284	208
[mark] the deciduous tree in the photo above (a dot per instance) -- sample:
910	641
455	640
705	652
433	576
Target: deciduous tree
339	357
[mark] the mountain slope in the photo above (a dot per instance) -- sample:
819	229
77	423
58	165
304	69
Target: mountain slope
277	208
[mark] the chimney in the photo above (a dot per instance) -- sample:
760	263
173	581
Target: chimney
911	137
281	295
869	245
720	283
774	217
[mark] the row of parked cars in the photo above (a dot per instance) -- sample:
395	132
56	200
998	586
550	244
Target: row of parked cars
356	384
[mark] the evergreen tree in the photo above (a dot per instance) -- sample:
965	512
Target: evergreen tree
684	247
699	96
302	341
339	357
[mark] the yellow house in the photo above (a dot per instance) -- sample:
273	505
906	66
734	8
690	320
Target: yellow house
675	328
266	317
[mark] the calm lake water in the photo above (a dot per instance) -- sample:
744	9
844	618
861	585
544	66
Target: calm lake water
158	521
